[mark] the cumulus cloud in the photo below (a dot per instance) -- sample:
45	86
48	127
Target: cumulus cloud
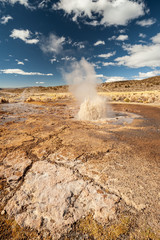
156	39
52	44
146	22
122	37
21	72
107	55
142	55
99	43
115	79
24	35
5	19
143	75
22	2
117	12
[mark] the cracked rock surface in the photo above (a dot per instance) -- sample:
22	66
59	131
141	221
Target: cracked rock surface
55	170
53	197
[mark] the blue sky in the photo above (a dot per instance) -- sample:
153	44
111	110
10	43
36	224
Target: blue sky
40	39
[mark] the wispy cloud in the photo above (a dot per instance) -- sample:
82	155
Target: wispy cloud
19	62
106	64
115	79
142	35
52	60
24	35
112	38
21	72
68	58
107	55
78	45
39	82
43	4
52	44
99	43
111	12
5	19
146	22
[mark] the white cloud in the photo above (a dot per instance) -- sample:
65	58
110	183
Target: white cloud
52	44
99	43
78	44
105	64
22	2
122	31
146	22
100	76
107	55
92	23
19	62
112	38
95	65
52	60
141	55
43	3
39	82
118	12
68	58
122	37
21	72
142	35
143	75
156	39
115	79
5	19
26	59
24	35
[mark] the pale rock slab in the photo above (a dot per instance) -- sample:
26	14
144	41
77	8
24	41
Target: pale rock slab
53	197
15	164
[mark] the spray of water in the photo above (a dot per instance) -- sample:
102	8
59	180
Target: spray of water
82	80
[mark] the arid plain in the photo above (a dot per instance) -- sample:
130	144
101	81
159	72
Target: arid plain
62	178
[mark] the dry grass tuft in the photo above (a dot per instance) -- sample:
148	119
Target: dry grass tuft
4	100
133	97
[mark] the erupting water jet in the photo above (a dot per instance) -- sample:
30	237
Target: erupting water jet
83	82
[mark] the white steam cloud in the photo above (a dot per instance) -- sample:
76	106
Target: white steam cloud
83	81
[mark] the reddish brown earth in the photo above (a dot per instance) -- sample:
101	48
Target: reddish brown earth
67	179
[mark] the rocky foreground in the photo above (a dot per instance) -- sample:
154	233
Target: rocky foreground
61	178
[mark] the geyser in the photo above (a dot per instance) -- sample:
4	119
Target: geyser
92	109
83	81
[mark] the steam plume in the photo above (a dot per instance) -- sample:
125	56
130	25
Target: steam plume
82	80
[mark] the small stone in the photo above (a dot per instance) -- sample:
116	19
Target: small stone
3	212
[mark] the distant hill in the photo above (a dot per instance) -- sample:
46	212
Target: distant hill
148	84
152	83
